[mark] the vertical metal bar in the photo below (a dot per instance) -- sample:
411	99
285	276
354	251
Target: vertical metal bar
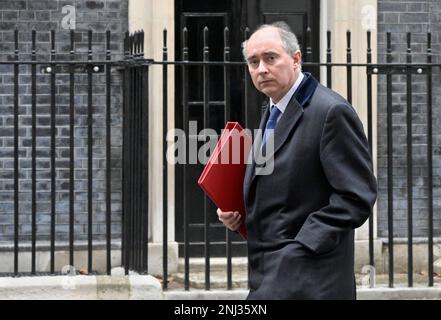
89	155
123	185
145	155
71	148
135	131
124	96
126	158
245	83
245	90
226	74
409	165
164	163
138	160
348	67
131	211
108	159
16	193
142	164
138	163
131	162
206	89
389	162
429	159
133	155
185	118
133	207
34	146
227	117
140	226
53	172
369	123
328	60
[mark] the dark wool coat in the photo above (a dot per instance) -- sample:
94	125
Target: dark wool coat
301	217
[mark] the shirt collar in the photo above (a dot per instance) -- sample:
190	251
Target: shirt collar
283	103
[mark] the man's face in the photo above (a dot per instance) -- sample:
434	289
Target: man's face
272	69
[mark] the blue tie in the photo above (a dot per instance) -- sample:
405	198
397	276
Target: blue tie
271	123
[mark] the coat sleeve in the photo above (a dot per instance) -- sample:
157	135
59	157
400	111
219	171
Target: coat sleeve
347	165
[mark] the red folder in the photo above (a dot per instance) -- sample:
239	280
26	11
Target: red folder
222	178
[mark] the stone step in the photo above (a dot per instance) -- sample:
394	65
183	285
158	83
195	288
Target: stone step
218	275
239	264
218	280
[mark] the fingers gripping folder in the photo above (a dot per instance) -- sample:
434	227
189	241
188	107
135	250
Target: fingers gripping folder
223	175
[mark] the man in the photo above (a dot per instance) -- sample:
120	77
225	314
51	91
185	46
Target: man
301	217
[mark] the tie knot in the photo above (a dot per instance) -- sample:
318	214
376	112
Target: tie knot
274	114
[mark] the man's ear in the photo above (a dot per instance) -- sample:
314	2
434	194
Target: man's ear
297	59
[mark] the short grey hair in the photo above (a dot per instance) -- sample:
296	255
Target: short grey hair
289	39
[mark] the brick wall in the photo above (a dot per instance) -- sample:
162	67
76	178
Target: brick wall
417	17
44	15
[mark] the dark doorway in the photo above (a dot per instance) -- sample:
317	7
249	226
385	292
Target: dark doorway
216	15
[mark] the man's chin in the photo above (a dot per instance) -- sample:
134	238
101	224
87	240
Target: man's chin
267	92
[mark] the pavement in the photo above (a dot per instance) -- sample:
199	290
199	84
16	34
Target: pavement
134	286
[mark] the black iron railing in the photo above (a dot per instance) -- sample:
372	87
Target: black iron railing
73	176
135	156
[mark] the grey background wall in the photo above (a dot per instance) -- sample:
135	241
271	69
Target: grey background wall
44	15
417	17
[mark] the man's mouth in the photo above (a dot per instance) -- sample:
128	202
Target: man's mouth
264	82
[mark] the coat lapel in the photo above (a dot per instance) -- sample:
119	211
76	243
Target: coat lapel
287	123
294	111
249	172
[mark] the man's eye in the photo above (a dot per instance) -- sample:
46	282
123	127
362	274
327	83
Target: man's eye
253	63
271	58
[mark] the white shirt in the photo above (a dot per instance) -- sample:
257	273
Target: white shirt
283	103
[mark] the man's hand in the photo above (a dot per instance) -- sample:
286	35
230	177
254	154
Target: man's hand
231	219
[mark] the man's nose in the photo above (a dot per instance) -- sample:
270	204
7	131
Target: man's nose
262	67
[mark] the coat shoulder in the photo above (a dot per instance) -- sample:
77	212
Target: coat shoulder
325	99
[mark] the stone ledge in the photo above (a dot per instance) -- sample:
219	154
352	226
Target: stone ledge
141	287
132	287
198	294
362	294
427	293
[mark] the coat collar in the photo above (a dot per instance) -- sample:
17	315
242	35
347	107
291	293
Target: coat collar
306	90
299	101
